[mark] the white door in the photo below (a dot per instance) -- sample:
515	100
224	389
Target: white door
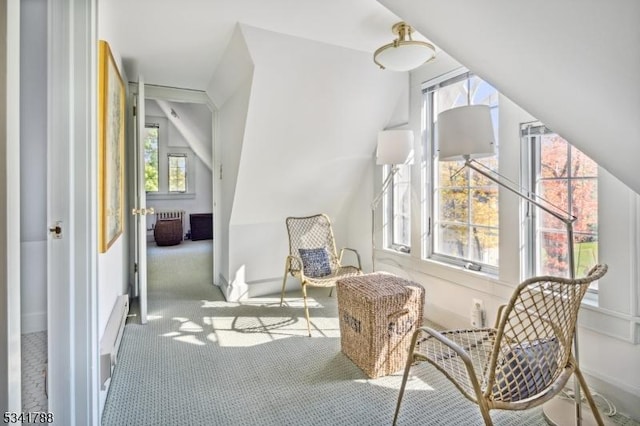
140	210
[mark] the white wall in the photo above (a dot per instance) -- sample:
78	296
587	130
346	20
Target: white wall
33	164
230	89
607	327
309	136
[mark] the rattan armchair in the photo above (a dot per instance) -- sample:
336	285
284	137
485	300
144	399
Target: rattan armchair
524	360
313	258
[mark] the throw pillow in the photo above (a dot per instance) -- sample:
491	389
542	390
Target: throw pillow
526	370
315	262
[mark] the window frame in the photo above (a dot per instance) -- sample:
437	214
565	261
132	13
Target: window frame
185	157
157	154
531	134
390	211
430	169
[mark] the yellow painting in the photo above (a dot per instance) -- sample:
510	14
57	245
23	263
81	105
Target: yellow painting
111	127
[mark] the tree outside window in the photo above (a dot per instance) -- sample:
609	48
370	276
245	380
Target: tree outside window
151	158
463	220
567	178
177	173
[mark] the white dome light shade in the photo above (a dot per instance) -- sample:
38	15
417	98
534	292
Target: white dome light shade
395	147
404	57
465	132
403	54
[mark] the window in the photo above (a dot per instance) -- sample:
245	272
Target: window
462	219
568	179
399	210
151	158
177	173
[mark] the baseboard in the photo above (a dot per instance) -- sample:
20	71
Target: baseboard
626	401
268	287
224	285
32	323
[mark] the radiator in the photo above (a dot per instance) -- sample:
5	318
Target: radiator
171	214
111	338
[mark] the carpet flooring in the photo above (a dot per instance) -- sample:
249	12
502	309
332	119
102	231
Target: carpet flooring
203	361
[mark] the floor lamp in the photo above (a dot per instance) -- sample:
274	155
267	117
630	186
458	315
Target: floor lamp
394	147
466	133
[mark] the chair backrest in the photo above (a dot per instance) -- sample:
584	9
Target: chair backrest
312	232
535	335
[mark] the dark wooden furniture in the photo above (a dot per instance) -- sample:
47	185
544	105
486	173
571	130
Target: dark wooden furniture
201	226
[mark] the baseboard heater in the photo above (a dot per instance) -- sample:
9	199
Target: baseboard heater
110	342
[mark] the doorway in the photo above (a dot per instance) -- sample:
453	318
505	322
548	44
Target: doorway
178	180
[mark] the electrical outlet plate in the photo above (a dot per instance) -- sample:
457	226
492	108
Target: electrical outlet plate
478	303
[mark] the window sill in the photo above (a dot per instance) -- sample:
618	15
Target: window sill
172	196
457	275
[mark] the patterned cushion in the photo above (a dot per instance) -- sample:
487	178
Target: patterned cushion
315	262
526	370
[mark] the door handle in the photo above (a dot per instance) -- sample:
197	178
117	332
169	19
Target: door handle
142	212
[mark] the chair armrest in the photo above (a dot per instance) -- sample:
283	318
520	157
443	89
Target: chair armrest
351	250
462	354
294	263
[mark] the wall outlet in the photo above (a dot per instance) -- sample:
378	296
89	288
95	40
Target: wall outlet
477	313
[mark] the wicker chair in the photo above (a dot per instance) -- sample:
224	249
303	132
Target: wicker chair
313	258
524	361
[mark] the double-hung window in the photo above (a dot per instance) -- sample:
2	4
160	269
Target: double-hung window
564	177
462	206
399	210
151	170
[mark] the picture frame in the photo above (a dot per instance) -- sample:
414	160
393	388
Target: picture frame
111	132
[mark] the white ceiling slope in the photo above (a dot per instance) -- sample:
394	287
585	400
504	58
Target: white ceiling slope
311	126
575	65
180	43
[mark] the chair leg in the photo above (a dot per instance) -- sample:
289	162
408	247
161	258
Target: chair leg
306	308
284	280
485	415
330	291
587	394
405	375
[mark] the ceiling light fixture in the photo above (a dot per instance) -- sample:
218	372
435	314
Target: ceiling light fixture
404	53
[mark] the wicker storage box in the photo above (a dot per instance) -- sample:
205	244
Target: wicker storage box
168	232
378	314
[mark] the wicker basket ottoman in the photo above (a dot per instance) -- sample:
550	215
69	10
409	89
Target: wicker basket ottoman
378	314
168	232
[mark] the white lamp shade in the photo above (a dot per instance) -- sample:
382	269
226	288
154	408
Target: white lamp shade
465	132
395	147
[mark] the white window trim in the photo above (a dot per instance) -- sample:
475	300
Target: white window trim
428	182
164	150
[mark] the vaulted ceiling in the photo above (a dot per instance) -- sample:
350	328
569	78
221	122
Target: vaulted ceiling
180	43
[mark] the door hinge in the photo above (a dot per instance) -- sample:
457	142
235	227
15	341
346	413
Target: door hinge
135	268
134	110
56	230
220	171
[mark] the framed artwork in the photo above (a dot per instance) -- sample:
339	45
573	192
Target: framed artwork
111	128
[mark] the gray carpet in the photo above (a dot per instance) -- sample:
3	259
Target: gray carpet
203	361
